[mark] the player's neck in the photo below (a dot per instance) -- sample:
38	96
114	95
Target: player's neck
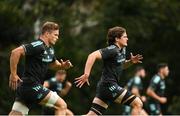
118	45
161	75
44	39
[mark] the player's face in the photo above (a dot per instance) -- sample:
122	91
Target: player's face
53	36
166	71
123	41
61	77
142	73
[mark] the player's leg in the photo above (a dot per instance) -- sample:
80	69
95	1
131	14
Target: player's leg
19	109
137	106
69	113
154	109
125	97
98	107
53	100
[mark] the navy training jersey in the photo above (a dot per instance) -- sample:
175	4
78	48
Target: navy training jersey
158	85
54	85
135	82
113	59
37	58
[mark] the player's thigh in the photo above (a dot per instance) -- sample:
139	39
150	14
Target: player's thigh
19	108
125	97
53	100
69	112
98	101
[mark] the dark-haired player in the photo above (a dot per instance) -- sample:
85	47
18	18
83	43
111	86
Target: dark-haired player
114	61
156	90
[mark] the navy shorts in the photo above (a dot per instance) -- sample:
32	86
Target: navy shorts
108	92
154	108
31	93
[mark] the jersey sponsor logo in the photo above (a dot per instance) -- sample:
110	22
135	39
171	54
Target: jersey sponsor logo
45	52
47	59
37	43
121	60
51	51
162	84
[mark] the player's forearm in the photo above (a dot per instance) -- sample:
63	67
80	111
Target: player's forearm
64	91
152	94
14	60
135	91
56	65
127	64
89	63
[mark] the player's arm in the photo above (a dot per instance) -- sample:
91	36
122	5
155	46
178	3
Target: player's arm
152	94
135	91
133	60
61	64
14	60
66	89
46	84
89	63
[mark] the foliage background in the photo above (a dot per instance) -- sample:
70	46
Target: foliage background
153	28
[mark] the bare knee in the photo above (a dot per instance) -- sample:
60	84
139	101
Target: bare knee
137	103
15	113
61	104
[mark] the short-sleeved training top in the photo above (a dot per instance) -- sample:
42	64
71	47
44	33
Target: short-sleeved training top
54	85
135	82
37	58
113	59
158	85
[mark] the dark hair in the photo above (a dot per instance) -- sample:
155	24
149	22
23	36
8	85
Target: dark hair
161	65
138	68
115	32
49	26
61	72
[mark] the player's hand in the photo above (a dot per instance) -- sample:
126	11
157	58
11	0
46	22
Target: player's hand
13	81
136	59
81	80
163	100
66	64
143	98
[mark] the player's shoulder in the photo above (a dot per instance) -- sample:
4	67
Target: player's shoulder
137	80
112	48
53	79
37	42
156	79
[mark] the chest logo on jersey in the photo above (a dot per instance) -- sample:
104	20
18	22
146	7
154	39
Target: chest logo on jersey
120	58
162	84
47	57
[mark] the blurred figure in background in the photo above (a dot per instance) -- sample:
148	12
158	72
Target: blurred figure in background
135	85
156	90
60	86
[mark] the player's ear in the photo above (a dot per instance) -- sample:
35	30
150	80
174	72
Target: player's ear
116	39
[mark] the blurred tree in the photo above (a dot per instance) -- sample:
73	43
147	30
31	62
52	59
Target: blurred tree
153	29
